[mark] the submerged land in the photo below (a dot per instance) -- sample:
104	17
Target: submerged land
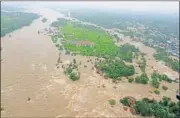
57	65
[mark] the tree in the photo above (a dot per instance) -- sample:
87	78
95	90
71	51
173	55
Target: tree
74	61
125	101
143	78
157	91
155	82
74	76
130	80
143	108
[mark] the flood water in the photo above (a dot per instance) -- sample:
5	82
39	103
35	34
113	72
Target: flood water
32	86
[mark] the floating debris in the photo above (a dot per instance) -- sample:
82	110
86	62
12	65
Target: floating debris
29	99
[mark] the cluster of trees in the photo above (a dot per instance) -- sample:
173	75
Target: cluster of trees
164	108
127	51
11	21
115	69
70	71
143	78
122	20
156	78
142	64
60	22
164	56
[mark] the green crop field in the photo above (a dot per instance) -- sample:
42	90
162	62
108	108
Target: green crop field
103	44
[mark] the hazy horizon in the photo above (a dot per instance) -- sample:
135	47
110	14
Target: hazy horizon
137	6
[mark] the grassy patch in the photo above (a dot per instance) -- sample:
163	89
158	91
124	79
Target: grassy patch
112	102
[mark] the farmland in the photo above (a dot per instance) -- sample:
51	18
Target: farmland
100	44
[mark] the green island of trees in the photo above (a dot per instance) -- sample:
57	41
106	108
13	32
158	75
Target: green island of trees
164	108
11	21
72	72
115	68
143	78
164	56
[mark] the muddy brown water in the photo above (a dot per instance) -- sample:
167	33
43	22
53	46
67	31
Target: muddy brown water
32	86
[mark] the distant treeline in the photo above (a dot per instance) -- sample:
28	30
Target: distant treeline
11	21
164	56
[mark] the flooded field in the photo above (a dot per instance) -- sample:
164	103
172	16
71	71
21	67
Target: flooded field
32	85
152	63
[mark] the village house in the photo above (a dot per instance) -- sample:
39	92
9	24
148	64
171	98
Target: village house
84	43
81	42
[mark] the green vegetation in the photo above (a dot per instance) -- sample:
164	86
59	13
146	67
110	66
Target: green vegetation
70	71
128	51
157	91
130	80
61	23
98	43
126	19
115	68
159	77
11	21
112	102
143	78
74	76
155	82
164	56
165	108
142	63
125	101
103	45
